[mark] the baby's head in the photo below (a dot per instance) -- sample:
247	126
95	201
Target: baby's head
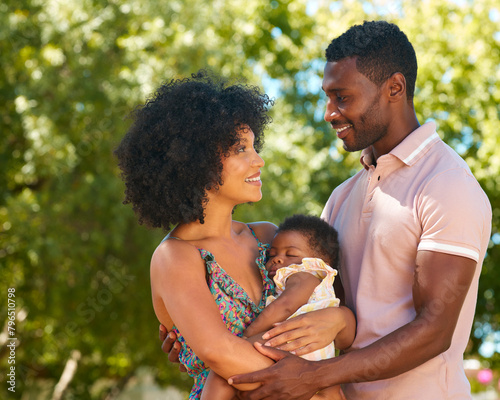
302	236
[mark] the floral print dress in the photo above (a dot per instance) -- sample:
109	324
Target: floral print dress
236	308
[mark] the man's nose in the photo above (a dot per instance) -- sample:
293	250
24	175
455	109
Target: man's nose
331	114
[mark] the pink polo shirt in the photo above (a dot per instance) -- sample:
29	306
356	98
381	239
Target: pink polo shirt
420	196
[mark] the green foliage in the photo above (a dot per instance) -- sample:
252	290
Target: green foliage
71	71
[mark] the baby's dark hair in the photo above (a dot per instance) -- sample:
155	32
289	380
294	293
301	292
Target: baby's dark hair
381	48
173	152
321	236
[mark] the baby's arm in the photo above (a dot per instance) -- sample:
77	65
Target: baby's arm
346	335
299	287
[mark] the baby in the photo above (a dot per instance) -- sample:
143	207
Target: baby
300	261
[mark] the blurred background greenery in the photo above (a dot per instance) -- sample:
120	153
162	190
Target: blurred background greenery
71	71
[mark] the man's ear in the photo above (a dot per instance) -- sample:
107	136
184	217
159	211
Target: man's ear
396	87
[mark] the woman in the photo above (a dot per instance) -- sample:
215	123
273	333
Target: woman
189	158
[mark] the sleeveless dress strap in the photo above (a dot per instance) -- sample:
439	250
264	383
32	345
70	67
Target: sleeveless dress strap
170	237
259	243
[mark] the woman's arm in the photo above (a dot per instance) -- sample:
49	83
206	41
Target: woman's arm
299	288
265	231
178	278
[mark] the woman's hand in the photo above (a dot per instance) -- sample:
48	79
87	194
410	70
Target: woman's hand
312	331
171	346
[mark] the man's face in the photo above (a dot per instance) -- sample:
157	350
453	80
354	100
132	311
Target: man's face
354	107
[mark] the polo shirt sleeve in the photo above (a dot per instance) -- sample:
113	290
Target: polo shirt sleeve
454	213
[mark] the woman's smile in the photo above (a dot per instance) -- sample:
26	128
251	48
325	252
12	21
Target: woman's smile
241	168
254	179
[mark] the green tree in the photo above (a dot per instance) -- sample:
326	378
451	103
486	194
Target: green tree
72	70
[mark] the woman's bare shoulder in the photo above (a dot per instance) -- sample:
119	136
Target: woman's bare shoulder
264	230
175	252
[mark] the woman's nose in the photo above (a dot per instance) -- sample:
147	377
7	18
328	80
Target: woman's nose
258	161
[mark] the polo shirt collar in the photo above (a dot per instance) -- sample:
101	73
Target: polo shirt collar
410	149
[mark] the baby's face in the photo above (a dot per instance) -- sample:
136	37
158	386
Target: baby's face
287	248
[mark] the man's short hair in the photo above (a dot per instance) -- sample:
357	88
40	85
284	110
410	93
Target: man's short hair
381	48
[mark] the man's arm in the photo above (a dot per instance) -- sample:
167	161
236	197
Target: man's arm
441	282
299	288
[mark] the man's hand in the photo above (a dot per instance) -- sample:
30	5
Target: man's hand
291	378
171	346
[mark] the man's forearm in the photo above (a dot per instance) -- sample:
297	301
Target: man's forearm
400	351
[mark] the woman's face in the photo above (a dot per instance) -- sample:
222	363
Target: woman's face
241	171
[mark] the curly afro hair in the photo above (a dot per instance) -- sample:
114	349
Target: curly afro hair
173	152
321	236
382	49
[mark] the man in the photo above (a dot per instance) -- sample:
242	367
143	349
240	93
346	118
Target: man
413	225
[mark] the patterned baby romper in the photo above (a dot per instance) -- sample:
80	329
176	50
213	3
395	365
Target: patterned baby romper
322	297
236	308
